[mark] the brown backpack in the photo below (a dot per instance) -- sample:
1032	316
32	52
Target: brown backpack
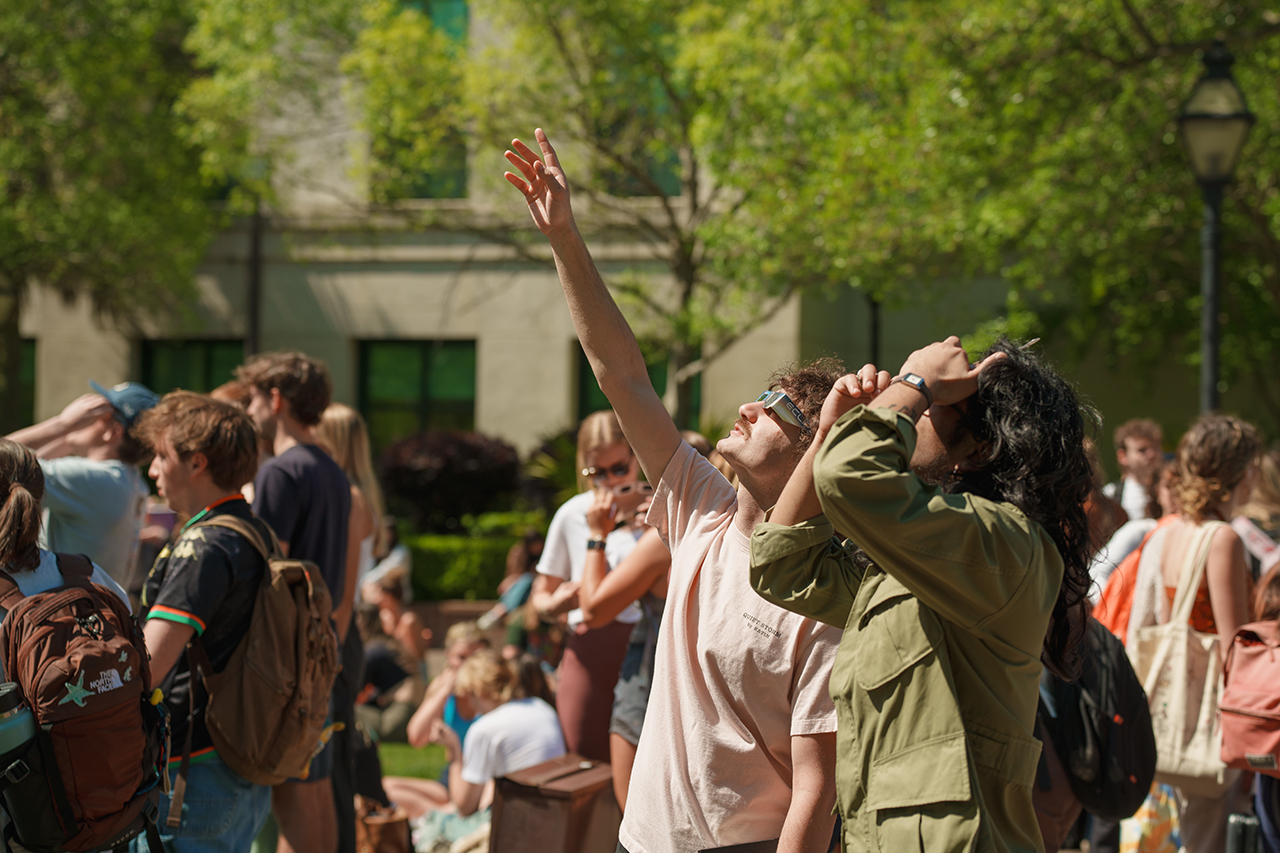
92	775
267	708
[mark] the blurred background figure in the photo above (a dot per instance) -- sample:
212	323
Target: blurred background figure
397	563
1139	455
95	497
239	394
593	658
343	434
1217	463
1259	520
517	730
392	686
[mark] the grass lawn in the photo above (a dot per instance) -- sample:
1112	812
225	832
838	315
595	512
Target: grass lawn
400	759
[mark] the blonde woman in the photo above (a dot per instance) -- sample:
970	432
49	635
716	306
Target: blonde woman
592	658
515	731
343	434
1217	465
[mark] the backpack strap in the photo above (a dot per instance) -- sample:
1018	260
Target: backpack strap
10	595
76	570
75	567
194	681
248	531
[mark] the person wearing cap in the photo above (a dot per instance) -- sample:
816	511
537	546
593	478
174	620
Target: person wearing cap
95	497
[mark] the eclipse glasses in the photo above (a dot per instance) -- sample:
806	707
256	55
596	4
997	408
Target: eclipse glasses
780	404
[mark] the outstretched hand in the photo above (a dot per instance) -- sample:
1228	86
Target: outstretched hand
851	390
945	368
544	185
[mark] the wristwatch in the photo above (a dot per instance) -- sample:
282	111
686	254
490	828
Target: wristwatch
595	544
917	382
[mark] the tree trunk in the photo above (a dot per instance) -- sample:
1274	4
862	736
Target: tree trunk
678	396
12	414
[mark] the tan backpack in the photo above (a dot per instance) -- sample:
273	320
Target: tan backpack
267	709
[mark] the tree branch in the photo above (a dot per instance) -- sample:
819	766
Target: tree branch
1140	26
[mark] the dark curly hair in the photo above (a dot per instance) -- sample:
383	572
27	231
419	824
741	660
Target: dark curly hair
808	386
1035	426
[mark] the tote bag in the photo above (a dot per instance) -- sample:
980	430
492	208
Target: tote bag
1182	675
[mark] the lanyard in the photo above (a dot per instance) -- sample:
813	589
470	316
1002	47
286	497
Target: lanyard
202	513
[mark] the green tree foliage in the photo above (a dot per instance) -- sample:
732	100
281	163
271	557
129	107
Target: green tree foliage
893	146
610	84
1033	139
409	76
270	79
99	193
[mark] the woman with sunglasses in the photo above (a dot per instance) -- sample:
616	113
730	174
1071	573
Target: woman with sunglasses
592	657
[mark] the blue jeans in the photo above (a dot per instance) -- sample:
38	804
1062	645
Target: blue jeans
221	812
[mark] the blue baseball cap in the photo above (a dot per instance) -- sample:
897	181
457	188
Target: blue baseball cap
129	399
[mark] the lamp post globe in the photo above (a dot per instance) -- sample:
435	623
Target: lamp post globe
1214	125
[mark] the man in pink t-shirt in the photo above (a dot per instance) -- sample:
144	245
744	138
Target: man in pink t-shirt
738	743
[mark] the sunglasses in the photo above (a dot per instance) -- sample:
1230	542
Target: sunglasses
780	404
622	469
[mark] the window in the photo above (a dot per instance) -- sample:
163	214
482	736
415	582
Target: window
193	365
592	399
449	16
408	387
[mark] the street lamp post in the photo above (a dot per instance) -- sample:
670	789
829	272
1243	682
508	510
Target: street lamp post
1214	123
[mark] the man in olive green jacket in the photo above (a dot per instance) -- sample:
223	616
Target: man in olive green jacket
946	609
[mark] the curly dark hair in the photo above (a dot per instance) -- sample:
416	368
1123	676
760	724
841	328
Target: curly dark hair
1035	425
808	386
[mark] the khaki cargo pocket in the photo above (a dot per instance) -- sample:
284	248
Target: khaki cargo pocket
939	828
923	799
894	633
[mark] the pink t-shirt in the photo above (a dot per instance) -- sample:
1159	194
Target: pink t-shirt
735	678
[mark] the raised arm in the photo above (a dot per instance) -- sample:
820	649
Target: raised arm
606	338
604	594
799	500
46	437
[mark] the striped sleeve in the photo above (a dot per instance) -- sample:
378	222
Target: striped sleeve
173	614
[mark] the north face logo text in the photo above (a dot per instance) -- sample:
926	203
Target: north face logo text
107	681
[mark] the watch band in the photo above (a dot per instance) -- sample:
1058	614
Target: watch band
917	382
595	544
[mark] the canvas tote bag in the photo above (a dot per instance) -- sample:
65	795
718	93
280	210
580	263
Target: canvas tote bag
1182	675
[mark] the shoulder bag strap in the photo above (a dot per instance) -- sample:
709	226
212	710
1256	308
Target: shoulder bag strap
76	570
1195	557
245	529
10	595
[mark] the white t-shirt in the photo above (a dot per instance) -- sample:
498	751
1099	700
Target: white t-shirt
511	737
565	553
736	677
1131	496
94	508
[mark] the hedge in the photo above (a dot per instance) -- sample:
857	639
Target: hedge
467	567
